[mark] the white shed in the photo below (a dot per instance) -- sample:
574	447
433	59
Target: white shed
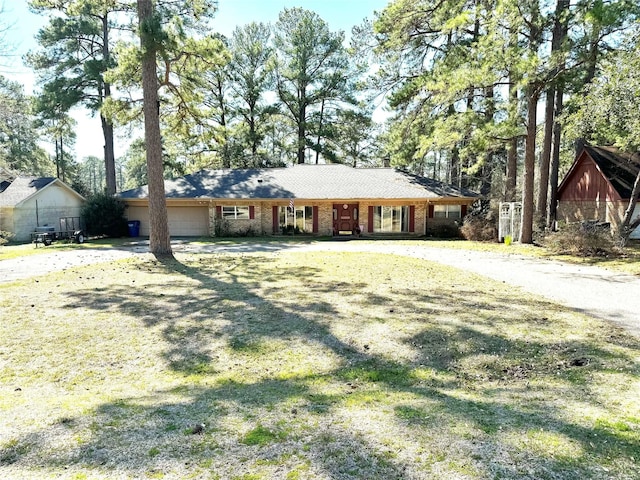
30	202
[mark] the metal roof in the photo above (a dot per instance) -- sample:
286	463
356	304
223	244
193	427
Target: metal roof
331	182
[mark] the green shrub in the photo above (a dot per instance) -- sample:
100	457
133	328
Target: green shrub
104	215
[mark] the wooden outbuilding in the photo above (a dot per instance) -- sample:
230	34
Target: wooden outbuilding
598	187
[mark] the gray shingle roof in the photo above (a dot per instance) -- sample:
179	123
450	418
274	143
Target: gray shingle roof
21	189
317	182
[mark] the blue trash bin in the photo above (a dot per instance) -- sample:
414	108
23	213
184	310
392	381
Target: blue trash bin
134	228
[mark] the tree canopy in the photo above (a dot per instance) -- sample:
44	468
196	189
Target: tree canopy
74	55
20	151
466	79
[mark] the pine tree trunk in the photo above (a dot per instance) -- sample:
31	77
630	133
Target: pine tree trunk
301	135
58	158
107	128
455	167
253	135
489	165
511	172
226	154
319	132
63	167
159	240
109	155
555	160
526	233
545	158
560	31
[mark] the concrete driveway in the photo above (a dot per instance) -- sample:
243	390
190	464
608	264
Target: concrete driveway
34	265
594	291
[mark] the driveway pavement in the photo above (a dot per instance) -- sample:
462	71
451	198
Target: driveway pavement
595	291
33	265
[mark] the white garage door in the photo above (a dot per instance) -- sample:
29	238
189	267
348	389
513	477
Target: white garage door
183	221
188	221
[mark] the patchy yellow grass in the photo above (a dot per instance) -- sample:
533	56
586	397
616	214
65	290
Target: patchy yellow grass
307	365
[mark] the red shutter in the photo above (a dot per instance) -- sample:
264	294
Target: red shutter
315	219
430	211
275	221
370	225
218	211
463	210
252	212
412	218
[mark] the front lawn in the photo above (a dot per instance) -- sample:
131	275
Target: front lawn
307	366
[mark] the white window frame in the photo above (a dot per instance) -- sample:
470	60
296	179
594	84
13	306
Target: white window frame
302	217
391	219
445	210
236	212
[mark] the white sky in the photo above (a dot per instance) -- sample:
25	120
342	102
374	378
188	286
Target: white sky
339	15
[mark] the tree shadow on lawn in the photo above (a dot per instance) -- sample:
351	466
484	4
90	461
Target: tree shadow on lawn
442	390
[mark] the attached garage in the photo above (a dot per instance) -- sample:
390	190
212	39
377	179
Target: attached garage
184	220
188	221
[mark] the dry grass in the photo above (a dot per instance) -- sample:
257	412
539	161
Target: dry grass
314	365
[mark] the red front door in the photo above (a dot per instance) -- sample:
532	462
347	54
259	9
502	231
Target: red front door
345	219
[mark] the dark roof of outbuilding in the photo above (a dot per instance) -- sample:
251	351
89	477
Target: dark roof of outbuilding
619	168
319	182
12	193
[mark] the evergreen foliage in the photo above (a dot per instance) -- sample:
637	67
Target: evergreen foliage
74	55
465	79
19	135
103	214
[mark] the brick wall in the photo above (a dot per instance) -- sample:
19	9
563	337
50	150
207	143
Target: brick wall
577	211
262	224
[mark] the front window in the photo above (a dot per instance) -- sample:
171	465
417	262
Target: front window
235	212
301	218
453	212
391	219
